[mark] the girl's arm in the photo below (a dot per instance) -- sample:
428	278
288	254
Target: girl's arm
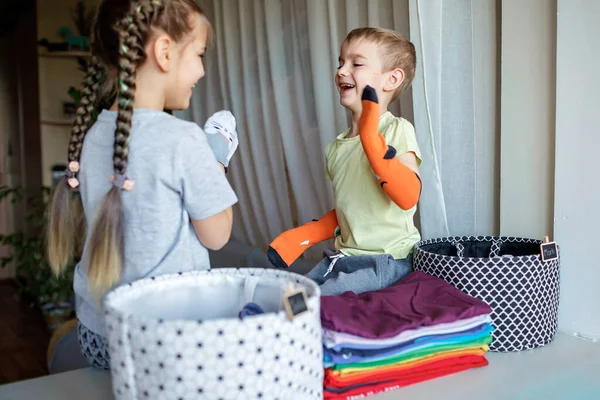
221	136
214	232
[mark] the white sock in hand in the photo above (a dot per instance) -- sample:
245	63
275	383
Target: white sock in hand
219	128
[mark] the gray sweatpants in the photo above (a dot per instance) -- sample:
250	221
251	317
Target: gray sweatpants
358	273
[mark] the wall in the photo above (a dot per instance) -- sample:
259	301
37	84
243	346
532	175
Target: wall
527	117
577	195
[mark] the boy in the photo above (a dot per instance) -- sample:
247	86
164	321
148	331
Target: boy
374	170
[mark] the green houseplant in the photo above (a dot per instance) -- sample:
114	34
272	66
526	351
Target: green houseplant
27	252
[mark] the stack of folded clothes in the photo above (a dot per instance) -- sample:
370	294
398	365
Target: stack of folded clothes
418	329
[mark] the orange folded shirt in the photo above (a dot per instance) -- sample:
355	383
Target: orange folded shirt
405	372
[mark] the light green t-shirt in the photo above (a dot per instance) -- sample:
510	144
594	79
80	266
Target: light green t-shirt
370	223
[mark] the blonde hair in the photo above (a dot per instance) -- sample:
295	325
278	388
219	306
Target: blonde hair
120	32
396	52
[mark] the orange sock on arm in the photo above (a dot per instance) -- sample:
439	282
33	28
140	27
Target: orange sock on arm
288	246
400	183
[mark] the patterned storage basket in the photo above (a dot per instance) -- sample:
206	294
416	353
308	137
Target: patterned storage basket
180	337
509	275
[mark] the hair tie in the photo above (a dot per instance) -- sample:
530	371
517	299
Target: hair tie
122	182
71	173
124	87
123	102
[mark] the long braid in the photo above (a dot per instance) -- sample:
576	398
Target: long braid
133	31
65	231
107	238
128	58
87	106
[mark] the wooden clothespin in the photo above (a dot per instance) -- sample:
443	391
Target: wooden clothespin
548	250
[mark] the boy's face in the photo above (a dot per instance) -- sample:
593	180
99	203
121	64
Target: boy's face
359	65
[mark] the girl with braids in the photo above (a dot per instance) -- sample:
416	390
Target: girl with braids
145	193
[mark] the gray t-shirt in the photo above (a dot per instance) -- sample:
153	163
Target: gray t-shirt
176	178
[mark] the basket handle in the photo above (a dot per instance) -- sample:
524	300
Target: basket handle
460	249
249	289
494	250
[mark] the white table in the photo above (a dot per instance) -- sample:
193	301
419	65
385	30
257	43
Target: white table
567	369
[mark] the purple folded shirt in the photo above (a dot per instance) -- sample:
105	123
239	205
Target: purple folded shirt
416	300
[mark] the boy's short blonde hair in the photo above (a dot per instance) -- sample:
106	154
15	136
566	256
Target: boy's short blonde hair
396	52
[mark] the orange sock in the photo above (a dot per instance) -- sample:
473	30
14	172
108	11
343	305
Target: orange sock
399	182
288	246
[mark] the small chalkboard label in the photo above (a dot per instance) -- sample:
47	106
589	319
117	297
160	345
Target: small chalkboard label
295	302
549	250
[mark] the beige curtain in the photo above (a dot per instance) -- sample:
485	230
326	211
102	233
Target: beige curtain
273	67
455	115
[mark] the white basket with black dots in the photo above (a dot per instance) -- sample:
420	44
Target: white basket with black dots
181	336
518	278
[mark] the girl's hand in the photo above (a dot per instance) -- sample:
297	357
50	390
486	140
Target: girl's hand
222	136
